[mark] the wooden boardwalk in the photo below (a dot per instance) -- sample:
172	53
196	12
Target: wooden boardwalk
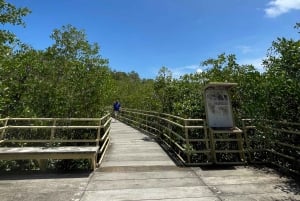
136	168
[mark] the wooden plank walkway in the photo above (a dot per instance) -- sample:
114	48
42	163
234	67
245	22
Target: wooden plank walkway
137	168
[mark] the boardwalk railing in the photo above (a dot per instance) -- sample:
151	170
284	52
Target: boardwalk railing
262	141
275	142
256	141
54	138
188	138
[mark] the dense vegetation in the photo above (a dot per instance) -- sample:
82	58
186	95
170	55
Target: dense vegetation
71	79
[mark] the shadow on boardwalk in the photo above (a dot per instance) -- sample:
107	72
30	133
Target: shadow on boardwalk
43	186
30	175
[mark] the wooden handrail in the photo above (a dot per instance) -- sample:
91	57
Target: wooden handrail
60	119
176	135
96	139
53	127
275	137
175	132
63	127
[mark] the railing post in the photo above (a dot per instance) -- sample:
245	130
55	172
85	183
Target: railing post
188	147
99	132
207	141
146	122
246	137
5	126
240	146
53	131
212	145
44	162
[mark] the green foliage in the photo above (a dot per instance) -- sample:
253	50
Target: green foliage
184	96
133	92
283	79
72	45
189	100
58	82
273	94
10	15
165	89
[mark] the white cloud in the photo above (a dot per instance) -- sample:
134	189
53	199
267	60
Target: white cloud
278	7
179	71
199	70
256	62
191	67
245	49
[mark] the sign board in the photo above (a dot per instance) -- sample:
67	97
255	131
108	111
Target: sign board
218	105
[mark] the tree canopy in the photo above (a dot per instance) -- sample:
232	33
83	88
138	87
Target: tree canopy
70	78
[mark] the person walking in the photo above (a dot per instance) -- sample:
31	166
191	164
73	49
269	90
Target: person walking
116	107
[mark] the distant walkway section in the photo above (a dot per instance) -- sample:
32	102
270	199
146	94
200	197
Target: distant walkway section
129	148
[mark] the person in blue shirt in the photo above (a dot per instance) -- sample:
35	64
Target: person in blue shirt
116	107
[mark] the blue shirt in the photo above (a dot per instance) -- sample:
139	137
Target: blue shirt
117	106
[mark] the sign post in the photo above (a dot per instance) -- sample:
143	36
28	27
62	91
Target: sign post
221	123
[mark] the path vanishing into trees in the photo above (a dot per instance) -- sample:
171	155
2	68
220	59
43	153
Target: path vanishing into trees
137	168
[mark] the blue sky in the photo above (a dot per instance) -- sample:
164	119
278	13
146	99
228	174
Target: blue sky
144	35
